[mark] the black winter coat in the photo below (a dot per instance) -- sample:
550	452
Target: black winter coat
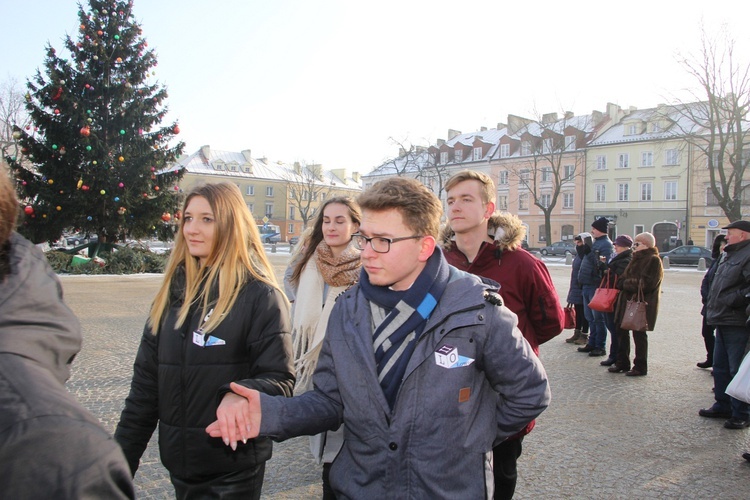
179	383
618	264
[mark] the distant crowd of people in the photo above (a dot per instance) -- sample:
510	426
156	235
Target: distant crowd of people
406	348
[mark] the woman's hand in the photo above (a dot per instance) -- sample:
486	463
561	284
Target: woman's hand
237	417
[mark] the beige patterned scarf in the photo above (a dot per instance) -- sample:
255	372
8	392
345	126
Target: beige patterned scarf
312	309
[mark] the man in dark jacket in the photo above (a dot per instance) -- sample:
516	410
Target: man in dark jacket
50	447
725	309
487	243
590	275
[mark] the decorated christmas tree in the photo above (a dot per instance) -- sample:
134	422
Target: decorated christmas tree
95	157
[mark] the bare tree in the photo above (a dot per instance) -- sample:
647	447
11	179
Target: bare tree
551	154
305	184
12	112
418	162
716	125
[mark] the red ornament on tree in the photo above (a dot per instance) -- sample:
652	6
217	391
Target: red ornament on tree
166	217
176	129
85	131
28	210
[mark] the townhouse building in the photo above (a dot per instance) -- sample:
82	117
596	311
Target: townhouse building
638	175
266	186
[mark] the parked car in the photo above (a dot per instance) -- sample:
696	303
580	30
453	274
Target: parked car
159	247
559	248
688	255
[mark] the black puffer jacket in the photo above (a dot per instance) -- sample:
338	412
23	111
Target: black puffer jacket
178	383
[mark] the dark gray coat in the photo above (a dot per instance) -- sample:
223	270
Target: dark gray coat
50	446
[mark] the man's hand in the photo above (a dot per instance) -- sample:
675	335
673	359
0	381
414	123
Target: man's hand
237	417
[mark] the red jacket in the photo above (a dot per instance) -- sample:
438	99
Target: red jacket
525	284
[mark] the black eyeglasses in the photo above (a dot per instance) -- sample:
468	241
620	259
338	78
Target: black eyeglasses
636	244
377	243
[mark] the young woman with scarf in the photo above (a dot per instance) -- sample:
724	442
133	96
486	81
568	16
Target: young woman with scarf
219	317
326	265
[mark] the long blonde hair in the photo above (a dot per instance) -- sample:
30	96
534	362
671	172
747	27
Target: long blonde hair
237	255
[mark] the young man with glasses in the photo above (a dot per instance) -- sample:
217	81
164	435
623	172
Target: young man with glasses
421	363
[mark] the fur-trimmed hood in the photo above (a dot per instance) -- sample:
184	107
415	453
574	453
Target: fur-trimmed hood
505	228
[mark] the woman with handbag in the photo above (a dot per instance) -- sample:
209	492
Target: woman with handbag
617	264
640	287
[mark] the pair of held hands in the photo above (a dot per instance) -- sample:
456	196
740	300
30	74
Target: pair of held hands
237	417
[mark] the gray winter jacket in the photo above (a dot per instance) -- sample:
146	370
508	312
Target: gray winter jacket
50	447
436	440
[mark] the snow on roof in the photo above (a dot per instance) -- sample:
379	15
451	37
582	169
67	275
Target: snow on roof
242	165
660	123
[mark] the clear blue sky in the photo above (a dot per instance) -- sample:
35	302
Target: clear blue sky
331	81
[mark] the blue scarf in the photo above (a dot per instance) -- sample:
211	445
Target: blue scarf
406	313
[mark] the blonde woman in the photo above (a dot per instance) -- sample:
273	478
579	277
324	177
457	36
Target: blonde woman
219	317
326	265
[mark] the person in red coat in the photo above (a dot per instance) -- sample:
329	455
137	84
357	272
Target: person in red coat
487	243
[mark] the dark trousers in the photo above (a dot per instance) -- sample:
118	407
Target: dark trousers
640	339
327	490
581	322
708	339
504	458
245	484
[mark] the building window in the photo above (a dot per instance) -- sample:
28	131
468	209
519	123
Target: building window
547	145
623	191
646	189
655	127
601	192
503	177
570	171
542	233
250	207
322	196
444	157
269	191
633	129
570	142
647	159
670	190
525	148
502	202
504	150
523	201
671	157
544	200
601	162
251	190
546	174
477	154
291	212
568	200
623	160
458	155
290	229
711	200
524	174
269	210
